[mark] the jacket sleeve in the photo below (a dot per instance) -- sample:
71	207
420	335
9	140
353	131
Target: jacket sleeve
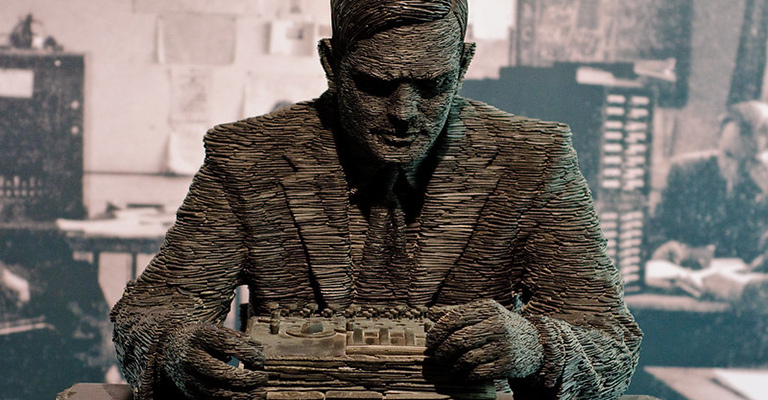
572	292
191	280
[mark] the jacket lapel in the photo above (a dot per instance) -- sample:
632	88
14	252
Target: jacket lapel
455	196
318	200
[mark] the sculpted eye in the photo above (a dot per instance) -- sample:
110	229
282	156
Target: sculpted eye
435	86
374	86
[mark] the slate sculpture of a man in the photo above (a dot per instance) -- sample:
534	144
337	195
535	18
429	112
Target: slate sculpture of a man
389	189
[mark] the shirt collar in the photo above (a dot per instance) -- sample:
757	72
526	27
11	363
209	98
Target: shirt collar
365	179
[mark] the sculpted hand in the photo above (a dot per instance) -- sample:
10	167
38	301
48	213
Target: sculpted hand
196	361
483	341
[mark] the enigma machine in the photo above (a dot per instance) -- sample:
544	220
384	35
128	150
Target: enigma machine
355	357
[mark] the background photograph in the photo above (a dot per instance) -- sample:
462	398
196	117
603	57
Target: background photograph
104	104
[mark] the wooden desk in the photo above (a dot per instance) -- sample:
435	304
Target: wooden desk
139	233
131	245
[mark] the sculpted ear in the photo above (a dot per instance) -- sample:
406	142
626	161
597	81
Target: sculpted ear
467	54
325	50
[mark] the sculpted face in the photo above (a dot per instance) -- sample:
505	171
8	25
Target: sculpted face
395	89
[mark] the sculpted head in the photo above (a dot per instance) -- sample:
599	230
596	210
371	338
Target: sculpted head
395	67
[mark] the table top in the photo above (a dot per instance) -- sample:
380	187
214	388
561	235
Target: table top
131	231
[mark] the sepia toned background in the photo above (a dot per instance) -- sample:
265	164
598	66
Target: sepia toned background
102	118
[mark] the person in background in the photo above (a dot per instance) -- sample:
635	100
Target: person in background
57	312
716	203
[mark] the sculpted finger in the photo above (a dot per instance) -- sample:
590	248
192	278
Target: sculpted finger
460	317
249	351
229	343
253	395
205	368
497	369
469	338
492	362
469	361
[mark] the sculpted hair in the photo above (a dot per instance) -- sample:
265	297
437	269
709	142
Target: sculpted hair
354	20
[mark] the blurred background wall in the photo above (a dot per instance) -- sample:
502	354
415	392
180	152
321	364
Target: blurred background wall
244	56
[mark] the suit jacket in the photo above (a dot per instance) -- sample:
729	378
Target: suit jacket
507	215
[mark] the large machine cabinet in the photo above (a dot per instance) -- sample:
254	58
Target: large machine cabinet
623	177
612	134
41	136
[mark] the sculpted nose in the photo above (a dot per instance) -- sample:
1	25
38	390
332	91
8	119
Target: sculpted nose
403	104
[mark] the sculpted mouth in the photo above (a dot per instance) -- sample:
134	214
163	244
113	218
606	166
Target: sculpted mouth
398	140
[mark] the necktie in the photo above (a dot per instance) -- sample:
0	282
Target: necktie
384	275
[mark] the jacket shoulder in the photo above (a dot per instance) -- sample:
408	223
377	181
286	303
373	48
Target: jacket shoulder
515	131
264	140
270	129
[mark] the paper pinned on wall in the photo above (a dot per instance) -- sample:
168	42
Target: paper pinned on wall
184	152
190	94
292	38
189	115
201	39
262	95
